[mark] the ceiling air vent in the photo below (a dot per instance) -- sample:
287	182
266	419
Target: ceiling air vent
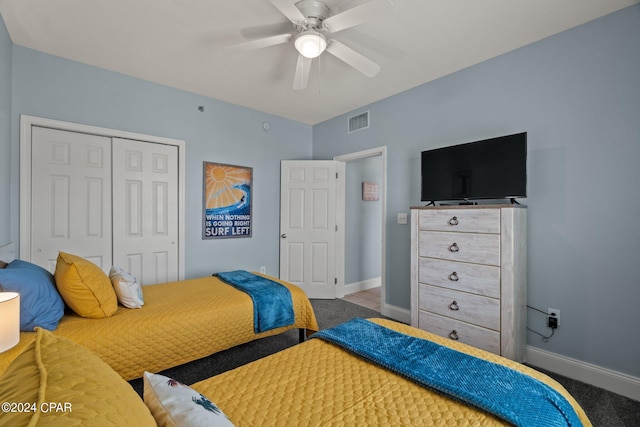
359	122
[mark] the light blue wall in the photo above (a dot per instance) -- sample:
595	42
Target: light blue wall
55	88
5	133
577	94
363	245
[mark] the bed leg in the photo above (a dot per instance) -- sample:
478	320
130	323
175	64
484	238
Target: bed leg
302	334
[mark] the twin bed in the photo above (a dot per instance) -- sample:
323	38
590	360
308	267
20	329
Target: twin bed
179	322
317	383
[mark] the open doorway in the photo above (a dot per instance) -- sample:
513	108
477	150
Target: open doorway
364	235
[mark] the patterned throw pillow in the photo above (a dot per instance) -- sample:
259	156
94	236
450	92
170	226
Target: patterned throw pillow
175	404
128	290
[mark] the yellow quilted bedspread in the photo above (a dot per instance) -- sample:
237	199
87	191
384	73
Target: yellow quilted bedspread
179	322
318	384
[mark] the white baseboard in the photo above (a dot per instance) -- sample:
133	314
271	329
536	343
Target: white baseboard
396	313
617	382
351	288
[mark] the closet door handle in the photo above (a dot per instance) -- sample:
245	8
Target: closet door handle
284	236
454	248
453	221
454	306
454	277
453	335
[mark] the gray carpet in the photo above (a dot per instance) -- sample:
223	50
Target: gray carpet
605	409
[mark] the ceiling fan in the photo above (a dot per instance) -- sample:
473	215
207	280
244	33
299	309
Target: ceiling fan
312	23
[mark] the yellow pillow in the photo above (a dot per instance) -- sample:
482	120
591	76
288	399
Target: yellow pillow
85	287
56	382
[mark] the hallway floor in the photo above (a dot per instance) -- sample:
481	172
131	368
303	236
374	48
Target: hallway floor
369	298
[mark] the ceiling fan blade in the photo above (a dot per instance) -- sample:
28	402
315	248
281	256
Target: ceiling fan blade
261	31
258	44
375	44
353	58
288	9
303	68
354	16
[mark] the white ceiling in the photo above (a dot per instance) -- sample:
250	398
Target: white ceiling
179	43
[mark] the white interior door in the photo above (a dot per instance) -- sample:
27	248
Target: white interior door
70	197
308	226
145	210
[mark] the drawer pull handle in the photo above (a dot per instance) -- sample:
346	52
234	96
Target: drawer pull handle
453	335
454	306
453	221
454	277
454	248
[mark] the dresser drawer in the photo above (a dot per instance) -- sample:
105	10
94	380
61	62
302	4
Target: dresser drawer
473	278
475	309
461	220
469	334
465	247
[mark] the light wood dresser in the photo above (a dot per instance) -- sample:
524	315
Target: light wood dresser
469	273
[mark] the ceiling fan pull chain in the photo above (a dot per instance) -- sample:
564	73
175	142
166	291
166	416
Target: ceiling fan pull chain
319	76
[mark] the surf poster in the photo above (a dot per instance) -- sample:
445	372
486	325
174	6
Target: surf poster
227	201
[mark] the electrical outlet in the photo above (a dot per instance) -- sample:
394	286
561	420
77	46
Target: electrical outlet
553	320
263	270
402	218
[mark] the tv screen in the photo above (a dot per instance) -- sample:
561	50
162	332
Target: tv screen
493	168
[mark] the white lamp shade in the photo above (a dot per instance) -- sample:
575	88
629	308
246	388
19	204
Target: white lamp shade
9	320
311	44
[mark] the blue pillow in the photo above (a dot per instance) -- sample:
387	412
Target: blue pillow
40	303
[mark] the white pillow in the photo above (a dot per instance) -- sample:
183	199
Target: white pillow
174	404
127	288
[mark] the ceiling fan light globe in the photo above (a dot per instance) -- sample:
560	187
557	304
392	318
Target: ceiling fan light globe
311	44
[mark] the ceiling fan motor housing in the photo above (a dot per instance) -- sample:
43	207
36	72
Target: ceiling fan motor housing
315	11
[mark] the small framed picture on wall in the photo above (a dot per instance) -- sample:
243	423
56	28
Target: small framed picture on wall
369	191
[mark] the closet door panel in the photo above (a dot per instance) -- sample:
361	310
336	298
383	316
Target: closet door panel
70	197
145	210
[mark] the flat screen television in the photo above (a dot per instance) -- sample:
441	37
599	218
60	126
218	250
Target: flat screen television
493	168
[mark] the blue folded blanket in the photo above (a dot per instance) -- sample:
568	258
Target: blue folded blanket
272	302
508	394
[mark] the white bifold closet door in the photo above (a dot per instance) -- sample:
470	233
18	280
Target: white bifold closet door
145	210
70	197
110	200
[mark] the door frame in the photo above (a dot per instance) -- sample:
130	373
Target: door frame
340	206
27	122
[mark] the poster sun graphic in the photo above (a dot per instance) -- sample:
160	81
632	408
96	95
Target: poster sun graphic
226	201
